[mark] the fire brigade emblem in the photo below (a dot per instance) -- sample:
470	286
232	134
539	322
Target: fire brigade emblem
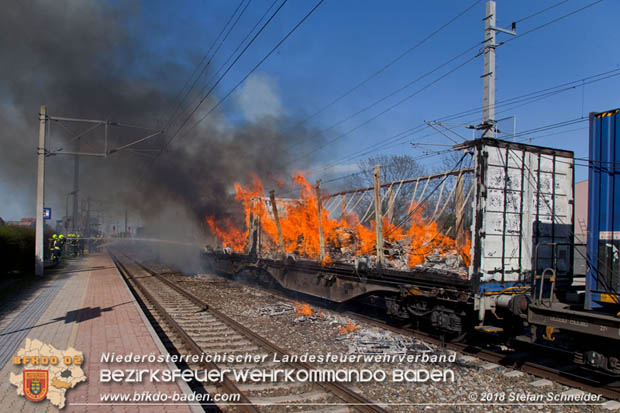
35	384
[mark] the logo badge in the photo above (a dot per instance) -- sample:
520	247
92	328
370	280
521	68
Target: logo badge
35	384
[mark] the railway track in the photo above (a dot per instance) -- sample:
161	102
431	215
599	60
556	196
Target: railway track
569	376
531	359
205	330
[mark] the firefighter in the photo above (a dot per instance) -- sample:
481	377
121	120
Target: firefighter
54	248
72	244
61	241
56	252
80	242
51	240
52	245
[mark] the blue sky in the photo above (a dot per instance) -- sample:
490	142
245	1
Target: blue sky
343	42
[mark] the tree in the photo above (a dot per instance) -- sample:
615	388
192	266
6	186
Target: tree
394	168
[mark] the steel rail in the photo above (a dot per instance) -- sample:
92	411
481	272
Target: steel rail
356	400
516	361
228	385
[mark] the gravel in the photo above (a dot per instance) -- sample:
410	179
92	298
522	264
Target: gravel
330	332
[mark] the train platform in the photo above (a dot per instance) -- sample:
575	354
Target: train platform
85	305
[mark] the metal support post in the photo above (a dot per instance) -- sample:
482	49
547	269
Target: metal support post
39	249
378	216
459	198
320	210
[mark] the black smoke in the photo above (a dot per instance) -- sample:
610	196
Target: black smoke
88	60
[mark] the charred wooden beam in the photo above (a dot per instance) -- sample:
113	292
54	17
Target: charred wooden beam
274	206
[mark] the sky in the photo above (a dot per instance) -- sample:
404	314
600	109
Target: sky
344	42
341	44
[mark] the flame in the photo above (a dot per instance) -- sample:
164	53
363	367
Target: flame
228	234
465	251
299	222
349	328
425	238
303	310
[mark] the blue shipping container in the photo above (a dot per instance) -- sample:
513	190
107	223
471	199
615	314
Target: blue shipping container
603	278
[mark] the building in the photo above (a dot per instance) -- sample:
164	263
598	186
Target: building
24	222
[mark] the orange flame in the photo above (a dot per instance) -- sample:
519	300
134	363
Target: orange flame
349	328
299	223
303	310
228	234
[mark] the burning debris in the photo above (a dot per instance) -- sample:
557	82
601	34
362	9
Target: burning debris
349	328
303	310
297	232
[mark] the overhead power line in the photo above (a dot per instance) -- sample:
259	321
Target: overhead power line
246	76
551	22
231	91
387	65
519	36
536	13
189	116
202	61
223	66
524	99
388	109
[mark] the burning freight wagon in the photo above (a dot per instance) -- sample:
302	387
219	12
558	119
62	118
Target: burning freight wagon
327	228
518	199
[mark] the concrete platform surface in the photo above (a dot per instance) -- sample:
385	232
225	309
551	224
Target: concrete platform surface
85	305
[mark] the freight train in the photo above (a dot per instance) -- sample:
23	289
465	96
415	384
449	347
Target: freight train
520	282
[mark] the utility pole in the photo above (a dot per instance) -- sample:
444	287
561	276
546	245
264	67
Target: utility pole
488	89
39	249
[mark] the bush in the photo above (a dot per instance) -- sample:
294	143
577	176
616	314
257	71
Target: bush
17	246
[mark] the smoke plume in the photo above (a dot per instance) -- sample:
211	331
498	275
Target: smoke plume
89	60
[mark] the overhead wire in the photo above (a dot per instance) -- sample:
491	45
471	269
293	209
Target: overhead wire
551	22
392	62
241	43
234	52
206	95
536	13
220	101
204	58
387	65
388	109
524	99
385	111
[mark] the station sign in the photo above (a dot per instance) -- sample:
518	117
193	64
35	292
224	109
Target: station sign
47	213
